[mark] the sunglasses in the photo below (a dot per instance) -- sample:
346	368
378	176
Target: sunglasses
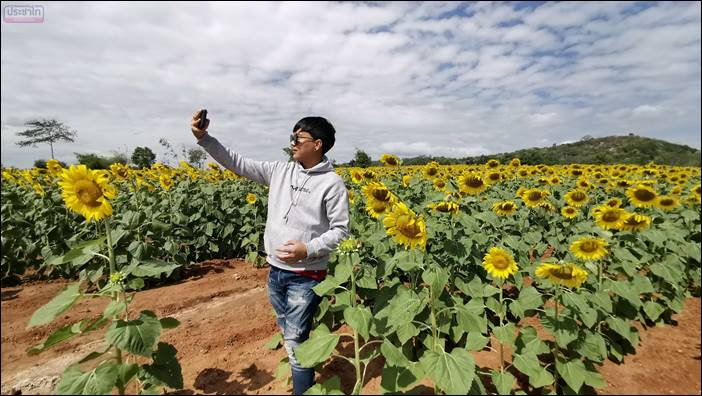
295	139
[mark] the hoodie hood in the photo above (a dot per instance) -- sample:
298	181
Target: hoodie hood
323	167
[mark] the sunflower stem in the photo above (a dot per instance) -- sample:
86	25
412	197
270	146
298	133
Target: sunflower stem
502	352
110	252
555	344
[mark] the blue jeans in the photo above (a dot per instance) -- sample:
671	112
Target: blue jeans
295	304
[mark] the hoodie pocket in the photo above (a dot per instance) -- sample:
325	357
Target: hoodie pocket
279	234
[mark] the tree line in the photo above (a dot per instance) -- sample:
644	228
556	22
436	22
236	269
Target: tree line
52	131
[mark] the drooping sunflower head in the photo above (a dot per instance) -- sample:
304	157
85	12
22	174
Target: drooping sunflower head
444	207
499	263
405	227
166	182
54	167
87	192
569	275
570	212
504	208
406	180
635	222
533	197
609	218
472	183
667	203
642	196
516	162
251	198
589	248
390	160
577	198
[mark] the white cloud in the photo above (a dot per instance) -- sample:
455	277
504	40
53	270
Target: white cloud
487	79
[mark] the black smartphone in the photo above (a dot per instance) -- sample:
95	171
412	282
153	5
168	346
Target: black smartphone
203	114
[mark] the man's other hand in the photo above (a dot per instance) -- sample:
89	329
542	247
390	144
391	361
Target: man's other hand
291	252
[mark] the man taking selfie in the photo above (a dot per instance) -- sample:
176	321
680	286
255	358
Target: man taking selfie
308	215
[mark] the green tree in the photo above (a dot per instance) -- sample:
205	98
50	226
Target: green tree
196	156
288	153
143	157
46	131
361	159
94	161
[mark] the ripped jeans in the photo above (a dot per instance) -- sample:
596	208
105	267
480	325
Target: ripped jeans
295	304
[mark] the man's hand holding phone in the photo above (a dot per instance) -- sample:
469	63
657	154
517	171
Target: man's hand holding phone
199	123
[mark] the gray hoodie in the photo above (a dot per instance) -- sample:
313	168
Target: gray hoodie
308	205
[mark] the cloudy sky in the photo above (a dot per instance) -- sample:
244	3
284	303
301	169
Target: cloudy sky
451	79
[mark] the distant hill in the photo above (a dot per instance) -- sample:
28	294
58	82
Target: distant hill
629	149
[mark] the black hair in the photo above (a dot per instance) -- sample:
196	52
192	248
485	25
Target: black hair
319	128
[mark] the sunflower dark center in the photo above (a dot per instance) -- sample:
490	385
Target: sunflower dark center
500	262
611	216
88	193
644	195
474	182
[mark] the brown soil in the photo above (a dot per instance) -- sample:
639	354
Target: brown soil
226	319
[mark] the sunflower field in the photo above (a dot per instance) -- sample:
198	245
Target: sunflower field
548	266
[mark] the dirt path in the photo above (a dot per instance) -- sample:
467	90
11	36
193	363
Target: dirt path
226	319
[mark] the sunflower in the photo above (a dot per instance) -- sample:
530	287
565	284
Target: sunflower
609	218
533	197
589	248
493	163
54	167
431	170
406	180
213	166
369	175
570	212
352	197
635	222
379	199
642	196
444	207
407	229
583	184
554	180
576	198
494	177
390	160
516	162
166	182
38	189
614	203
87	192
499	263
696	190
547	206
504	208
251	198
439	184
356	176
472	183
569	275
120	171
667	203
